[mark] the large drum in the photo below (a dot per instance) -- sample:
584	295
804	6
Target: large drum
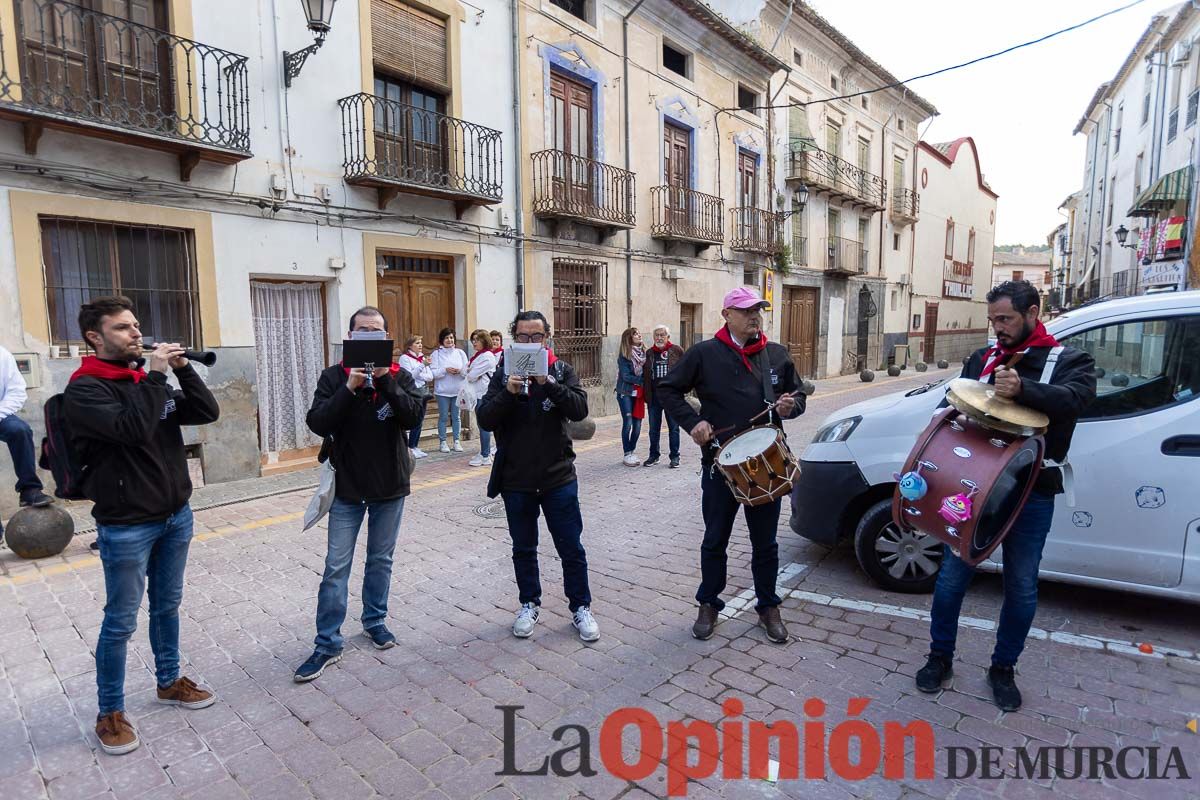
971	471
758	466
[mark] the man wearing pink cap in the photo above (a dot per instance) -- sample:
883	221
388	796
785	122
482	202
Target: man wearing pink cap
737	375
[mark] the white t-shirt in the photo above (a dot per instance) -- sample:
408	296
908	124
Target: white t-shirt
445	384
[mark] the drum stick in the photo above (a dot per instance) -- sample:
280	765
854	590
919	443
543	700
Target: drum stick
772	406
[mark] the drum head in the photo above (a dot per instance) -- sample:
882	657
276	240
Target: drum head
1001	502
749	443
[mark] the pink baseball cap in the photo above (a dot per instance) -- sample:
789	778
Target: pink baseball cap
744	297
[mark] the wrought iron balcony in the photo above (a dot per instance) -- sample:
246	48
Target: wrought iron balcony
567	186
825	172
72	68
845	256
685	215
394	147
755	230
906	205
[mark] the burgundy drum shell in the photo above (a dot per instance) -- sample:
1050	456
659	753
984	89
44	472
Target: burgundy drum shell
1004	467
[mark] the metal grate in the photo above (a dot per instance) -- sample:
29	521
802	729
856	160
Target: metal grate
154	267
417	264
579	316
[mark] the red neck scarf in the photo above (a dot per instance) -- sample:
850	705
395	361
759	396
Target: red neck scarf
656	349
998	354
412	355
497	350
477	354
751	348
96	367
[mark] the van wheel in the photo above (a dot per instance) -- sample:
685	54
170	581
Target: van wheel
897	560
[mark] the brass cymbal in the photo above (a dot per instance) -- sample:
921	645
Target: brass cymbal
980	402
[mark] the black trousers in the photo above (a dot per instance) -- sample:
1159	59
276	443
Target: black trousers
720	510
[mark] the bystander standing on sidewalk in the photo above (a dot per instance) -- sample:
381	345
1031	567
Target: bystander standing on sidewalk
416	364
17	434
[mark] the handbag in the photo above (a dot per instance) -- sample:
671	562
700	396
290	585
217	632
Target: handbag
466	399
322	499
639	403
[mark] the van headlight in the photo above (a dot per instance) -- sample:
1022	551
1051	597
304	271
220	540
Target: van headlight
837	431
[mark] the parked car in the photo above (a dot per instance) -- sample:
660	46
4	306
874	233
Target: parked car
1135	523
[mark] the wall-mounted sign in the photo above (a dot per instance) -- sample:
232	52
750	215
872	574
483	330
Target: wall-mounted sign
959	291
1163	273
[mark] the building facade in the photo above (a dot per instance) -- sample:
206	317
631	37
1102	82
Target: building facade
1035	266
1135	213
940	312
158	150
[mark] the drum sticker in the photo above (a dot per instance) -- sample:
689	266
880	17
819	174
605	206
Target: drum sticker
912	485
1081	519
962	452
1150	497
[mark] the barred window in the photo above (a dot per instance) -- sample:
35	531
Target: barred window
579	316
155	267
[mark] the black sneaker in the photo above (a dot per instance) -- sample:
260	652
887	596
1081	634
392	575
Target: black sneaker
36	498
381	637
650	462
1004	688
934	674
311	670
674	462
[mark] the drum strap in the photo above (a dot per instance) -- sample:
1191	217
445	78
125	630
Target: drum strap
764	371
1068	474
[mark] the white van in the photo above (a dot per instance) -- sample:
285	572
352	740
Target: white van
1135	523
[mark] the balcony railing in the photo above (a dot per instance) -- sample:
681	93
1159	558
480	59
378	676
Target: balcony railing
845	256
800	251
822	171
906	205
755	230
395	147
81	69
685	215
567	186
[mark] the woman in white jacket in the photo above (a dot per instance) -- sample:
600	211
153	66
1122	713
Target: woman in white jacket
448	365
479	374
416	364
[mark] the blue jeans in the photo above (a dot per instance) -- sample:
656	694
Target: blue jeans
345	519
631	428
1022	555
655	412
16	433
485	437
447	410
150	556
561	507
414	436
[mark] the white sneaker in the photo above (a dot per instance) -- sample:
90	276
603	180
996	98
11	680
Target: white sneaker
477	460
457	446
630	460
417	452
487	462
585	623
527	617
443	448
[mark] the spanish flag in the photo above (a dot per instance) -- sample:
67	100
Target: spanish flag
1174	233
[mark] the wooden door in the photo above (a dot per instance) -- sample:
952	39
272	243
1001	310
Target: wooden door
931	323
897	174
800	317
677	164
748	197
410	133
572	129
689	332
416	295
833	138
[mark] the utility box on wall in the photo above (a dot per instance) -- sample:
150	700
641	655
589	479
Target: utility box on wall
30	367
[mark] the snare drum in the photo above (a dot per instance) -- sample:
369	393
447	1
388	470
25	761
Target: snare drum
758	466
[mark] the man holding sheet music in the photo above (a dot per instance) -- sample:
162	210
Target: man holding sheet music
531	397
362	410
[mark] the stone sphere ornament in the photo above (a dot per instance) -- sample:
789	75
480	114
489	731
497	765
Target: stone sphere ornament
943	364
894	371
39	532
583	430
866	376
922	366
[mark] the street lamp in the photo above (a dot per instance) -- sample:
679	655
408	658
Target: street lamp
801	197
319	14
1122	233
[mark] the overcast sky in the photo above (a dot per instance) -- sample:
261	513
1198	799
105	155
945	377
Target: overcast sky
1020	108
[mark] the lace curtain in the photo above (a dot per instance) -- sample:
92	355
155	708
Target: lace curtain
290	350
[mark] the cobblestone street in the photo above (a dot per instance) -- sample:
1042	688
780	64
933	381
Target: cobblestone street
420	720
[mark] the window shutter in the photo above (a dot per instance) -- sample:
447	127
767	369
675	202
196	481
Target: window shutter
410	43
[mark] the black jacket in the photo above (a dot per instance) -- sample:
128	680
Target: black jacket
729	394
534	452
1063	399
657	366
365	433
130	444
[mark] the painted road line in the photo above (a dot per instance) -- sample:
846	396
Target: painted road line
744	601
1088	641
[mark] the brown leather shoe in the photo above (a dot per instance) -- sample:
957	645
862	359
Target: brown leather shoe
184	692
116	733
706	621
773	623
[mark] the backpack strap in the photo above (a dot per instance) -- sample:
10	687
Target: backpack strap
1051	363
764	371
